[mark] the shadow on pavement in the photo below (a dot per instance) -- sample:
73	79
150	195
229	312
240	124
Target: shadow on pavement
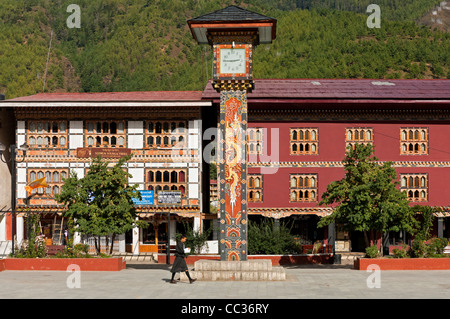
131	265
319	266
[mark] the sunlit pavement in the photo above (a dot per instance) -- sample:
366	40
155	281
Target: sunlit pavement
151	281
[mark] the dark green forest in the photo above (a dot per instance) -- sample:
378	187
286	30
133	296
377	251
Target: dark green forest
133	45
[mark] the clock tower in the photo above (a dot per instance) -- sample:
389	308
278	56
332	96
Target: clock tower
233	33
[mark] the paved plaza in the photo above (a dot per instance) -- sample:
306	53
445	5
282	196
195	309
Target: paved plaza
151	281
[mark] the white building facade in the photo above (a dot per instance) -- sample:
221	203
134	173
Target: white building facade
64	131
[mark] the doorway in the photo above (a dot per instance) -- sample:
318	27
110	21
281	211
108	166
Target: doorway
357	241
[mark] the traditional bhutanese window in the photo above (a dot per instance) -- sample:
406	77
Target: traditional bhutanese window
303	188
358	135
105	134
166	180
304	141
165	134
53	177
415	186
255	188
255	140
45	134
413	141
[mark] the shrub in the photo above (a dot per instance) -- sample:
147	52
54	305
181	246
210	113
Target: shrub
436	246
35	246
431	248
196	240
400	252
418	248
372	252
266	239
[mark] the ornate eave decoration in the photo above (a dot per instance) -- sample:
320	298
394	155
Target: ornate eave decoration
113	113
278	213
332	113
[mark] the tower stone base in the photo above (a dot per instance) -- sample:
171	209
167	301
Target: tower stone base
249	270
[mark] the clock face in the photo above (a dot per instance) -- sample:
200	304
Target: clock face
232	61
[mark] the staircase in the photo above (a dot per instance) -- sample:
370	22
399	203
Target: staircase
58	232
133	259
348	258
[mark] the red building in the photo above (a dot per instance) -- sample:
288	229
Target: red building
297	135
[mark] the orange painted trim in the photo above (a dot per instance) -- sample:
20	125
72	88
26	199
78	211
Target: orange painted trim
145	248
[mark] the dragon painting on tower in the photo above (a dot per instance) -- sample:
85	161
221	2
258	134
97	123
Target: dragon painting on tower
232	174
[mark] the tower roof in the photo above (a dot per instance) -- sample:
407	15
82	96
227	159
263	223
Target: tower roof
233	17
231	13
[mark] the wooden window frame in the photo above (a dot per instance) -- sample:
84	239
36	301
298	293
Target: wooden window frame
302	142
302	189
412	145
255	145
169	185
34	135
252	188
169	138
414	186
351	142
102	135
43	192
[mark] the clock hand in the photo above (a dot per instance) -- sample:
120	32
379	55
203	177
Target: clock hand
231	60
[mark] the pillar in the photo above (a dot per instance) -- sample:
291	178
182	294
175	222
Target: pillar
332	236
19	231
2	227
135	237
233	175
440	224
122	246
276	223
197	224
76	238
173	232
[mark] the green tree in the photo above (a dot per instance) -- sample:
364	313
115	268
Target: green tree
426	216
101	203
367	197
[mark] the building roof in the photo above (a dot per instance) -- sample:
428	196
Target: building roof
145	96
343	89
267	91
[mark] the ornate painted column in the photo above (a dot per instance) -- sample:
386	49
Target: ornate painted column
233	175
233	33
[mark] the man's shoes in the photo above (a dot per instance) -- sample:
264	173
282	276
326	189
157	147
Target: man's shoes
173	282
192	280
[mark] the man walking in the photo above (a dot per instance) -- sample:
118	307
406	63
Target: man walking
180	264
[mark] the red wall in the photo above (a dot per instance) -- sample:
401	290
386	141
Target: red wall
332	149
62	264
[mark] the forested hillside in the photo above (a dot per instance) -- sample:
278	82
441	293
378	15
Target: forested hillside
131	45
24	39
399	10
